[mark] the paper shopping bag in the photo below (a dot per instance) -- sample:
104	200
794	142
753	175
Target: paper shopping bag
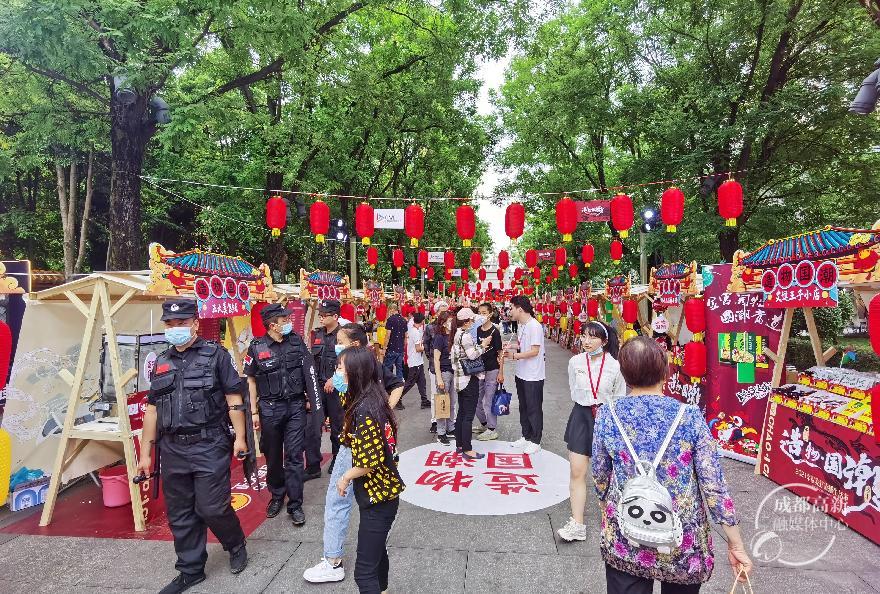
441	405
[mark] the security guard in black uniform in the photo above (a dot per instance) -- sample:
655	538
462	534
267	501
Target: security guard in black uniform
282	381
195	391
324	349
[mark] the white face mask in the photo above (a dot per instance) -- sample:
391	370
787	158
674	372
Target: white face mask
479	320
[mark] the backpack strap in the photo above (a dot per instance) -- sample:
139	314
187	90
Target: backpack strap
666	441
629	446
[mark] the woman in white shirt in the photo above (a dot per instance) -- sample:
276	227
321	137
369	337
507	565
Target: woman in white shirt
593	378
466	385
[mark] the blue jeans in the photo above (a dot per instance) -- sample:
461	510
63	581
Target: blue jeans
337	510
393	362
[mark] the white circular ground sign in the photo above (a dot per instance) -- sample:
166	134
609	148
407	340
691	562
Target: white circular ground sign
506	481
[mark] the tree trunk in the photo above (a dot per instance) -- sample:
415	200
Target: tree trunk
66	224
728	243
129	134
87	207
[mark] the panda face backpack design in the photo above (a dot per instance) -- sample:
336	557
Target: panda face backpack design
645	512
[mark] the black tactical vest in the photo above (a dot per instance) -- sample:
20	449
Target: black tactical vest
188	399
280	373
324	352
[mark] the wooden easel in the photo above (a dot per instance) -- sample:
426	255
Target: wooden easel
100	305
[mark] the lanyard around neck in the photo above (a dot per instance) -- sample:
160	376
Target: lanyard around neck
595	389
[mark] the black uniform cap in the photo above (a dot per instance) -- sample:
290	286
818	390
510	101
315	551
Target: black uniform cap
273	311
179	309
329	306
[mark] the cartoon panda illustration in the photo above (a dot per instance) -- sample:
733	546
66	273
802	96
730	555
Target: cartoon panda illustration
646	516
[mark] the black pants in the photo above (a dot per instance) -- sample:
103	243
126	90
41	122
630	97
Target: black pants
530	395
195	482
467	408
371	565
415	376
619	582
282	437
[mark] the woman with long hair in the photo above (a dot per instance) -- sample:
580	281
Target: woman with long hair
593	378
467	385
370	430
494	373
441	347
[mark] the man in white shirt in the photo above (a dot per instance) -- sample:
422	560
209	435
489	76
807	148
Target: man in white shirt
529	375
415	359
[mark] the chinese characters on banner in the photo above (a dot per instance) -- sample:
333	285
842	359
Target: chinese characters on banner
805	284
739	329
594	211
836	468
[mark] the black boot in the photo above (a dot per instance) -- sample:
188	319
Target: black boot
182	583
238	559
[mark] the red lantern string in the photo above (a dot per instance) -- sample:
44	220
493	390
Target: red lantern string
514	221
319	220
730	202
695	360
566	218
465	224
276	215
364	222
695	316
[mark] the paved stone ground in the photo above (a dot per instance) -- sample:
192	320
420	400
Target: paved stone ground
430	551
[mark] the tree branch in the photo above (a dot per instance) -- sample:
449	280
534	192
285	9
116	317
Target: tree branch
55	75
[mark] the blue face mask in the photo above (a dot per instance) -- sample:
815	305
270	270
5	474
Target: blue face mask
595	353
178	335
287	328
338	348
339	383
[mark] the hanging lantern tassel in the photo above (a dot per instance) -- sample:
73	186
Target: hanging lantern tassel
319	220
566	218
730	202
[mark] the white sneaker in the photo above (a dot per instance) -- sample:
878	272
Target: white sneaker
487	435
519	443
531	448
572	531
324	572
479	428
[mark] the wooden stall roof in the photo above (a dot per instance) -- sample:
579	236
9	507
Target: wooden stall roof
119	283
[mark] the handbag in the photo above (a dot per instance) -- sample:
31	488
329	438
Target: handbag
501	401
470	366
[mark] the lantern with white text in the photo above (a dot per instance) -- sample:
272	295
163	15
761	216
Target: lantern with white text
319	220
672	208
566	218
503	260
695	360
514	221
573	271
560	257
622	214
397	258
465	224
587	254
414	223
422	259
276	215
372	256
730	202
616	251
630	315
531	258
449	259
476	259
364	222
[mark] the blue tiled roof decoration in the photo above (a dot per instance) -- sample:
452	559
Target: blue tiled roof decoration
205	263
827	243
676	270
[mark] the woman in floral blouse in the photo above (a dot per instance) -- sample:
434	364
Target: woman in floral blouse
690	471
370	430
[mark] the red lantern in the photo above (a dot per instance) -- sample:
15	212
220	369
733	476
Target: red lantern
514	221
479	286
536	274
566	217
554	272
563	307
500	274
397	258
730	202
531	258
319	219
573	271
430	274
874	327
276	214
630	313
551	308
695	360
576	310
517	273
453	288
489	286
503	260
413	272
382	312
364	222
561	256
449	259
465	273
672	208
465	224
592	308
695	315
549	278
422	259
476	259
447	274
616	251
482	274
577	327
525	282
372	256
587	254
414	223
622	214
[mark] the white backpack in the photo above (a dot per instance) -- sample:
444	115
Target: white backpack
645	513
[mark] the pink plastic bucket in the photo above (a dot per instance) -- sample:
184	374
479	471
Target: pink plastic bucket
114	483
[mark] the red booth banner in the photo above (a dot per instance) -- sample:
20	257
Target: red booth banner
835	468
594	211
739	329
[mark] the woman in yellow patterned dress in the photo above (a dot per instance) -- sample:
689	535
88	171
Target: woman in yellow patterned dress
370	431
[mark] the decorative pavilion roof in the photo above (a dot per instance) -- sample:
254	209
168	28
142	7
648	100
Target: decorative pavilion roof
207	263
822	244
